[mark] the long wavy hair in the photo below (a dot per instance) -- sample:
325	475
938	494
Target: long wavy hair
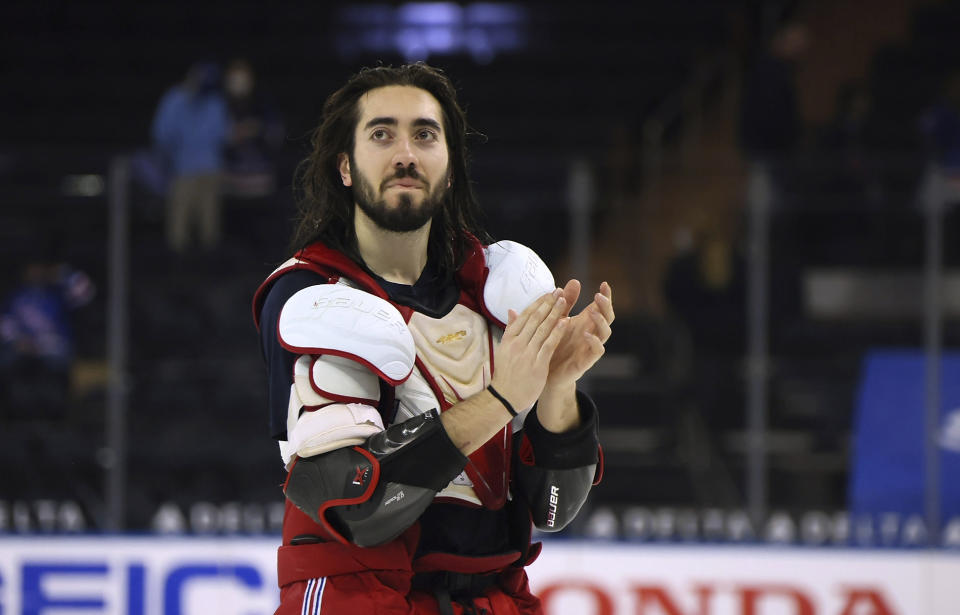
326	206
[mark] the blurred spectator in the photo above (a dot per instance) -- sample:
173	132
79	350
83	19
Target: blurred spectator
256	136
940	127
705	287
853	171
37	338
190	129
770	122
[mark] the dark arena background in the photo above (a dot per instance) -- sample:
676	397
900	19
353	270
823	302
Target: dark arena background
769	187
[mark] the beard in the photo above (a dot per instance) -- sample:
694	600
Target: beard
406	216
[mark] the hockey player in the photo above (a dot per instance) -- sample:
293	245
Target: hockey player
422	384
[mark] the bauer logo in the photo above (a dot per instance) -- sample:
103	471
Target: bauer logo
370	305
531	274
552	507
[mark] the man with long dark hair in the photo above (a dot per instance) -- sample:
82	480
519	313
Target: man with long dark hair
422	381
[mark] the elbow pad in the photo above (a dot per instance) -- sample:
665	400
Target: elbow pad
555	496
368	495
556	471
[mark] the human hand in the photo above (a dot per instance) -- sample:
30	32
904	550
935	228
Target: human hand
583	340
522	360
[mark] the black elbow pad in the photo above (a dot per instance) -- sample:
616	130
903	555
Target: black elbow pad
556	471
555	496
370	494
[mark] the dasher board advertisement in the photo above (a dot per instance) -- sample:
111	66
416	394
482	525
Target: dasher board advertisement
614	579
237	576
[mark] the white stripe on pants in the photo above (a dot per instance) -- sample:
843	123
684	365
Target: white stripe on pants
313	596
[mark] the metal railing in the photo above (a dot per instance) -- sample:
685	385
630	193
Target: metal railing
762	200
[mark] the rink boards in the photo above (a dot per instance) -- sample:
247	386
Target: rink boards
236	576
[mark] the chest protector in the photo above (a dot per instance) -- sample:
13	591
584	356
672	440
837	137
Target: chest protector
454	353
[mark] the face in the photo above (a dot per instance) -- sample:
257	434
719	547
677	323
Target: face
239	81
399	165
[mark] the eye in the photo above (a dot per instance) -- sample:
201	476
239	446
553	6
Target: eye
380	134
427	135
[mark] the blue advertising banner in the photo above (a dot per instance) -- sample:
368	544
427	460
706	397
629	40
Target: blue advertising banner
888	465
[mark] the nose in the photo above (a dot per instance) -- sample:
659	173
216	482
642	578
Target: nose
404	156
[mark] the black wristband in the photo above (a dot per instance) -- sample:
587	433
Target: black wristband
503	401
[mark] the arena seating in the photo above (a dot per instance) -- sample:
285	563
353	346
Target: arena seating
87	90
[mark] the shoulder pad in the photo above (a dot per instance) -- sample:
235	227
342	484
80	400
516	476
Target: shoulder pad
517	277
329	378
339	320
290	263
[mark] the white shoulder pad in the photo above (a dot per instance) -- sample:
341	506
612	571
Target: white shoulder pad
517	277
311	431
321	379
340	320
333	427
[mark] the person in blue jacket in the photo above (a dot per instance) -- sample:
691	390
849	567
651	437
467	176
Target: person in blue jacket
190	130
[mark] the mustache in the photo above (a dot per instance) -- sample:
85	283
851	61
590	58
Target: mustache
402	172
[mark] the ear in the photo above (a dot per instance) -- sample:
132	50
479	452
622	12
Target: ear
343	165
